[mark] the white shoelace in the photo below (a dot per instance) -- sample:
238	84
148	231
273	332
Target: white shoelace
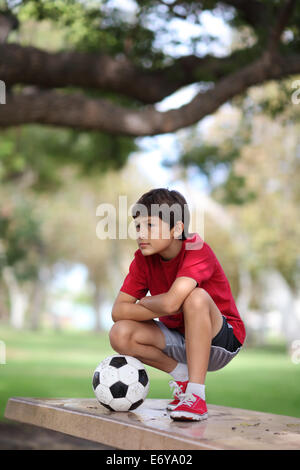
188	399
176	389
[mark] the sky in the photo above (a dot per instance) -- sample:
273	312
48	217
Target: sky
152	149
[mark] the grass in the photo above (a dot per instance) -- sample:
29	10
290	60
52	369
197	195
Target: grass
53	364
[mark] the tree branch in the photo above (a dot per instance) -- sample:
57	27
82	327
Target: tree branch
253	11
8	22
31	66
280	24
78	111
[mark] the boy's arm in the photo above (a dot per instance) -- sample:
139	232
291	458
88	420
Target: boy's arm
169	303
126	308
149	307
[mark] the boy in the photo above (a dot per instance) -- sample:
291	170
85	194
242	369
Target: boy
190	323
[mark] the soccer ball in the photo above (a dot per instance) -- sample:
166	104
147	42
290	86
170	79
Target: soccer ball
121	383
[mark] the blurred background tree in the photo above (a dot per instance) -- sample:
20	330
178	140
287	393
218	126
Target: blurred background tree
21	250
102	62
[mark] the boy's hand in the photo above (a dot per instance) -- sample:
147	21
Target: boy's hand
131	309
155	303
170	302
148	296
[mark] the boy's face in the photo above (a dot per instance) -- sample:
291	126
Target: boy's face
154	233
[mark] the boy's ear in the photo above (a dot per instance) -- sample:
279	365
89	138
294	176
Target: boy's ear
178	229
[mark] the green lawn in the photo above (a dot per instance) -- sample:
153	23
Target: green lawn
49	364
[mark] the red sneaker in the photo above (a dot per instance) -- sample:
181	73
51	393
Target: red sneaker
190	408
179	390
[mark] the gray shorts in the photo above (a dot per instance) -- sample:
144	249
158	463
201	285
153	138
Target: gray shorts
224	345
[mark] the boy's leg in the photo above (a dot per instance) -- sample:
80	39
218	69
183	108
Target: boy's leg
203	321
143	340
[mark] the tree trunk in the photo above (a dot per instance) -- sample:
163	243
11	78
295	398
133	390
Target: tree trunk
18	298
4	313
98	299
38	300
245	291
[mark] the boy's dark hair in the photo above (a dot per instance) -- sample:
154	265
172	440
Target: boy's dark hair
164	196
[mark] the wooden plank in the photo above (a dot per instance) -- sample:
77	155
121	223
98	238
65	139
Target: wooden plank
150	427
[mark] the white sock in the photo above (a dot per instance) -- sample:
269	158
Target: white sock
180	373
197	389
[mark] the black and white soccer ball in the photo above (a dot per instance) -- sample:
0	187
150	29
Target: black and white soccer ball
121	383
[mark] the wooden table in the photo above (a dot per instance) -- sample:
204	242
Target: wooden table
150	427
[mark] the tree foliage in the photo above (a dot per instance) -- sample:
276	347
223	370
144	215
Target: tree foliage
260	188
111	67
21	242
33	157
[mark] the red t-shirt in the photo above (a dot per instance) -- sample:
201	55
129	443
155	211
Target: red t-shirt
196	260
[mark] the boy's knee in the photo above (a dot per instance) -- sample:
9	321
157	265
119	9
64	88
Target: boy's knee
196	300
120	336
